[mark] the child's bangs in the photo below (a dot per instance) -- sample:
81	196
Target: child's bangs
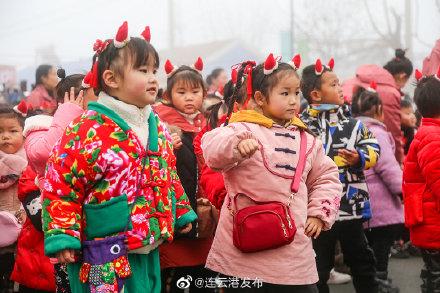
140	53
187	78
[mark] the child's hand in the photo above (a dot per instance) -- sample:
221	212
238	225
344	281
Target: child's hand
70	97
66	256
247	147
351	158
176	140
313	227
185	229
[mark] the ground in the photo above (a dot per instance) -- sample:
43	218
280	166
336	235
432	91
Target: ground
405	273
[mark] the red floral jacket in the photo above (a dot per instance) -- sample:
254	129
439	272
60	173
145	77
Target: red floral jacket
96	186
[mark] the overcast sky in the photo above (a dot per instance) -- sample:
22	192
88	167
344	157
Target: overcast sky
72	26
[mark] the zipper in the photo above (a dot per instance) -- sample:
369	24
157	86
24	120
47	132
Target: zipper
283	226
288	217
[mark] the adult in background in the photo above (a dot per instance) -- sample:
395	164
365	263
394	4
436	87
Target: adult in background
217	79
42	97
432	62
390	79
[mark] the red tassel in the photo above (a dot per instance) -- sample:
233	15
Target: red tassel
169	67
296	61
270	64
86	80
146	34
248	70
122	37
198	65
438	73
331	63
418	75
318	67
94	77
234	76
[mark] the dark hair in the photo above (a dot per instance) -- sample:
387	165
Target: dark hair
228	91
311	81
185	74
66	82
399	64
260	81
426	96
136	53
214	74
364	102
8	112
42	71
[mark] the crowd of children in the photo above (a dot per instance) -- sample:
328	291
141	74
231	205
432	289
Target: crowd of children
240	184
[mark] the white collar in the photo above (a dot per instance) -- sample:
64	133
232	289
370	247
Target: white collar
130	113
189	117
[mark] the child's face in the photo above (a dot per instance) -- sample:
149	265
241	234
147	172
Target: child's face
408	118
51	80
330	92
11	135
283	101
139	86
186	97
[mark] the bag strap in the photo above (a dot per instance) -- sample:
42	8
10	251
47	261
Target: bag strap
296	178
301	163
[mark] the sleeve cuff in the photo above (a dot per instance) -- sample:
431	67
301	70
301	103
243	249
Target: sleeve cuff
186	218
56	243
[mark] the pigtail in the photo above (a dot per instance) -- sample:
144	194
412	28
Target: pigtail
235	94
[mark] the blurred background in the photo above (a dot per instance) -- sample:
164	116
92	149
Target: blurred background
224	32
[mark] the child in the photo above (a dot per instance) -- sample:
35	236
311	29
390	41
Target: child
258	153
409	122
12	163
111	186
41	132
421	181
182	112
353	148
211	181
32	270
384	182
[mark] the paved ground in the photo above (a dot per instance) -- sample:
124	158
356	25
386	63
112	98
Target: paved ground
404	272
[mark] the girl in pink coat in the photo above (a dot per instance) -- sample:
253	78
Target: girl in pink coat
41	132
258	153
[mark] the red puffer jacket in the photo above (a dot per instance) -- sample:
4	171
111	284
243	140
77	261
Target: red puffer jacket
32	268
211	182
421	186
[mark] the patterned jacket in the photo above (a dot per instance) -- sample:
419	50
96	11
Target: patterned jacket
338	130
93	186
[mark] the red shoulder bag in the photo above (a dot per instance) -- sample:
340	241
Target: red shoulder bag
268	224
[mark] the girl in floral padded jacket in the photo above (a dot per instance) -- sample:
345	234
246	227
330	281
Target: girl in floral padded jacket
111	194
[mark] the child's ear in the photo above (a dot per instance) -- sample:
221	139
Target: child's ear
109	79
315	96
259	98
